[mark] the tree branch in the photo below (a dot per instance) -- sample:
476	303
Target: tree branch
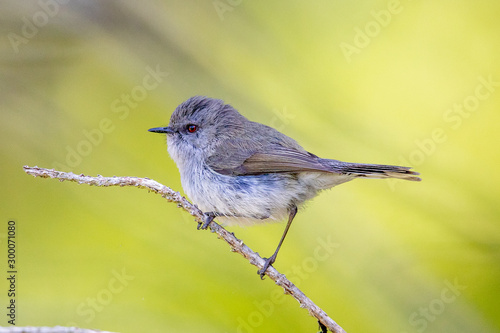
55	329
236	244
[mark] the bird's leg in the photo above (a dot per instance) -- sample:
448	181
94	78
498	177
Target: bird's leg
272	259
209	217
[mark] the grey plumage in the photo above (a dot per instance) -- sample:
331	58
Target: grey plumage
242	171
230	163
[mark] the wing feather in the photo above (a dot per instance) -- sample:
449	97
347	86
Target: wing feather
273	159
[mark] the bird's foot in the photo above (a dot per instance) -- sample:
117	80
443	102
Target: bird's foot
209	217
269	262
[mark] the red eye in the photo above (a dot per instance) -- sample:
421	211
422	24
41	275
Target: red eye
191	128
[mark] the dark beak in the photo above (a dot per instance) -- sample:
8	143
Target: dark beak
166	130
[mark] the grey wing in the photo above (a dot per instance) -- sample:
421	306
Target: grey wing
245	157
270	158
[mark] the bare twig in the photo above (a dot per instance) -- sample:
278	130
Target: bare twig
236	244
55	329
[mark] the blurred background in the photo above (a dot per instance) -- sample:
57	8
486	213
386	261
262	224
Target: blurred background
413	83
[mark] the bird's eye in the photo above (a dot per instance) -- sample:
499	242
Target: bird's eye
191	128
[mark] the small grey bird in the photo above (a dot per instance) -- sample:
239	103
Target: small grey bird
241	171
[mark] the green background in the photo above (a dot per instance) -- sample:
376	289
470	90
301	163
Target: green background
392	82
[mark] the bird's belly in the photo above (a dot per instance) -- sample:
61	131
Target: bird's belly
241	199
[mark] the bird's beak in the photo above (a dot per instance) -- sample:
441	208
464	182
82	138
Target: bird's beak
166	130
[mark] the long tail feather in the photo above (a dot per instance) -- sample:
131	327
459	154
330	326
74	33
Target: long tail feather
375	170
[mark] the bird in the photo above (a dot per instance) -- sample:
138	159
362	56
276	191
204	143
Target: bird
243	172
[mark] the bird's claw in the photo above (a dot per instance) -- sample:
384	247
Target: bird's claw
269	262
209	217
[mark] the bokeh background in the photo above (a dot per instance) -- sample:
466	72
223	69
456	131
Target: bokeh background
395	82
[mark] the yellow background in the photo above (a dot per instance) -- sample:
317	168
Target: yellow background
365	81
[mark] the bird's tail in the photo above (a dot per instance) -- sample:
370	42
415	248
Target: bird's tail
374	170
